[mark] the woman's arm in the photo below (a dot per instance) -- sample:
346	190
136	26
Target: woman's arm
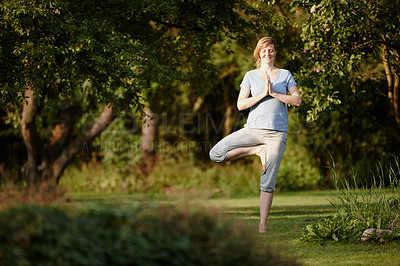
244	101
293	98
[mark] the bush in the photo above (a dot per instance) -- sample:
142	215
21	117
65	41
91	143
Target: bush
298	171
145	235
337	227
118	146
44	193
180	168
357	209
177	172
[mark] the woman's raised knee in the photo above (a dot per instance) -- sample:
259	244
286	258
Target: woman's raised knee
216	156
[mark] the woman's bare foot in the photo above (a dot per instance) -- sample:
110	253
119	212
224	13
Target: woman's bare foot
262	228
263	156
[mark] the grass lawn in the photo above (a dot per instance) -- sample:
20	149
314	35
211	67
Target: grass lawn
289	214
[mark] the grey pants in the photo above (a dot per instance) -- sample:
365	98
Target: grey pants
247	137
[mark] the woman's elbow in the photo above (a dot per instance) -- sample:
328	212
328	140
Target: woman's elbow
298	102
239	106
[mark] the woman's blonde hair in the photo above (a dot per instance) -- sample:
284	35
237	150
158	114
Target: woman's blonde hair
262	43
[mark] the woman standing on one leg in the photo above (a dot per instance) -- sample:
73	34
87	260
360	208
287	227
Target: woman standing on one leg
265	132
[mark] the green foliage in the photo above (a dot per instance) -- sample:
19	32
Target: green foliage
298	170
337	228
179	168
357	209
354	143
45	194
143	235
113	52
179	171
56	46
93	177
338	37
119	146
232	179
174	173
118	46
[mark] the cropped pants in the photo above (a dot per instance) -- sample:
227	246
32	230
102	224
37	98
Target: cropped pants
247	137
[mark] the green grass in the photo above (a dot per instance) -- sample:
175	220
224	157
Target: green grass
289	214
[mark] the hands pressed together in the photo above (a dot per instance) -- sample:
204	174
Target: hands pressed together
268	86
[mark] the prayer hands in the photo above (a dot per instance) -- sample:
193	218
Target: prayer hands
268	86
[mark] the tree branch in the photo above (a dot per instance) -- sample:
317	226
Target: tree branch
396	97
171	25
103	121
388	71
61	131
30	136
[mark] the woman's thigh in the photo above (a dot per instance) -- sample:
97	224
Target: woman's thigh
244	137
276	143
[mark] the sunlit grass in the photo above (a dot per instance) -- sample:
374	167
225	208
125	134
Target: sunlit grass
290	212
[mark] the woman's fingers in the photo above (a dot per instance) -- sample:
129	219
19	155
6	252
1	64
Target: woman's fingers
270	90
268	86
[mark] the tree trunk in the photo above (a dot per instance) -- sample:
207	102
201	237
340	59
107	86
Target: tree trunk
59	136
388	71
62	130
103	121
396	98
393	80
31	138
147	145
230	96
43	162
230	119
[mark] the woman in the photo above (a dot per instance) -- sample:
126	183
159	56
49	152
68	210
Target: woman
265	132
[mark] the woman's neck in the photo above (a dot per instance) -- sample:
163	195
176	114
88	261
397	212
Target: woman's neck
267	68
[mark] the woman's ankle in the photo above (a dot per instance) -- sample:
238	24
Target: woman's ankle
262	228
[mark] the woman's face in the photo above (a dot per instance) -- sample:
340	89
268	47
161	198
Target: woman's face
268	54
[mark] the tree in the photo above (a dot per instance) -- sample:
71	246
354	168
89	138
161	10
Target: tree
52	53
345	43
65	60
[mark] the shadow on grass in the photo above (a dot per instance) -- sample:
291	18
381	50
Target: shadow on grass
311	212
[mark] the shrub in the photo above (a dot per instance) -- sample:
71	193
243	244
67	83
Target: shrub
357	209
298	170
144	235
338	227
181	172
180	167
44	193
118	146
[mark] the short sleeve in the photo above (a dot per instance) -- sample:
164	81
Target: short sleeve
290	81
245	82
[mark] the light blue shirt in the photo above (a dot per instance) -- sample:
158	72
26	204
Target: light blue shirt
269	113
